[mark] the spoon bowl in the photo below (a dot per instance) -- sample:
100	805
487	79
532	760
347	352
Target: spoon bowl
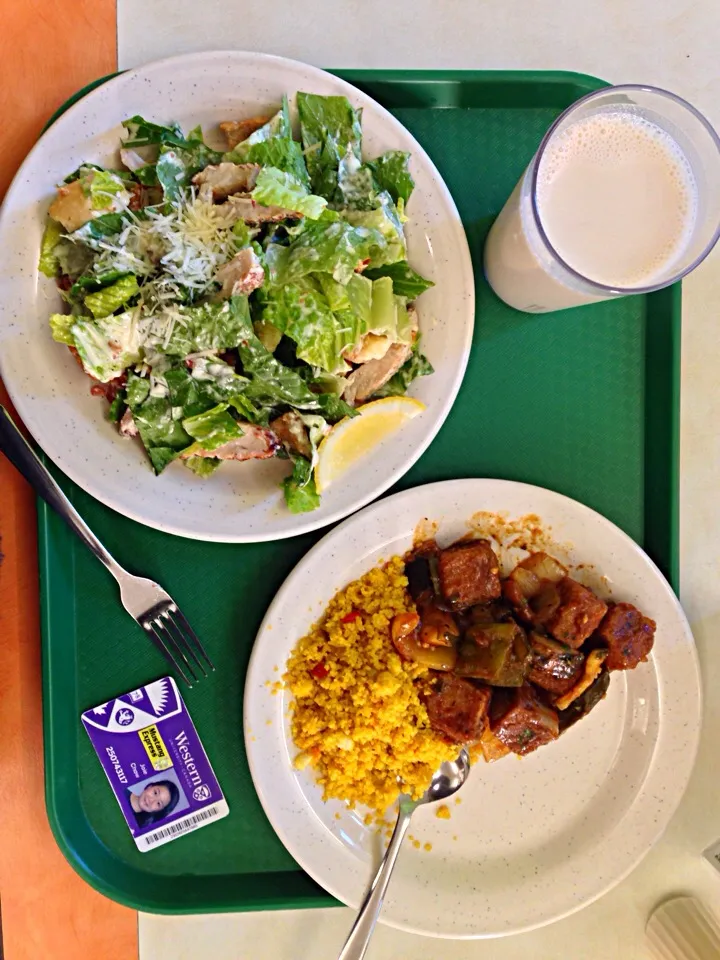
448	779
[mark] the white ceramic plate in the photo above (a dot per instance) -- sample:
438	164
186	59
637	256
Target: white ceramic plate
533	839
241	502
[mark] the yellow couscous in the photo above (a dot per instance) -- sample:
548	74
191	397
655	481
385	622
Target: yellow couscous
357	715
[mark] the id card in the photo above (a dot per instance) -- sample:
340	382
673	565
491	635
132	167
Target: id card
155	763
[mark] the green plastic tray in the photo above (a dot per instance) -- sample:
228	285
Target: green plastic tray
584	402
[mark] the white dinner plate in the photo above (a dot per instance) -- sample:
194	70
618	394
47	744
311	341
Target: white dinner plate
241	502
534	838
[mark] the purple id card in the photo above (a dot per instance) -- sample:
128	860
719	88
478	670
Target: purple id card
155	763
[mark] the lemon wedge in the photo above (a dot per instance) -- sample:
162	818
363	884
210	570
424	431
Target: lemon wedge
353	437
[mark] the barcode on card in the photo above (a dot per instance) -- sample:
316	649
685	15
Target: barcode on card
185	825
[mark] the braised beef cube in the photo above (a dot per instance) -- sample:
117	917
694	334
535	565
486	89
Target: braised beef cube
553	666
628	635
458	708
522	721
577	614
469	574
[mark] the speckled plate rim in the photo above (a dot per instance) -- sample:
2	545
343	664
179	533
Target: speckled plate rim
101	471
385	528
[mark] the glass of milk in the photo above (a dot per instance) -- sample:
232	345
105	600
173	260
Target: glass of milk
622	196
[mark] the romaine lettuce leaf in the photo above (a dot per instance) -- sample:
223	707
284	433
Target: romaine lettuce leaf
360	294
272	146
299	488
48	263
270	381
172	174
86	168
107	345
143	133
180	157
161	432
281	189
386	221
212	428
249	410
301	312
92	282
327	245
100	227
331	131
406	282
201	404
202	466
335	293
109	299
177	165
208	326
301	496
107	190
117	407
389	316
211	382
73	258
334	408
61	328
241	232
147	175
281	152
391	172
357	187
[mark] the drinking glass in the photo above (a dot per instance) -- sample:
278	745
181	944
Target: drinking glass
521	264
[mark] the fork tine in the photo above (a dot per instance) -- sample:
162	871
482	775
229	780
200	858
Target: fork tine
173	646
189	634
182	641
158	641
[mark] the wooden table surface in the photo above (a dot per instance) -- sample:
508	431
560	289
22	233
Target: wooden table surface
50	49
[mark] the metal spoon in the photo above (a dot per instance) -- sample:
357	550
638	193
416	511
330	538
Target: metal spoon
447	781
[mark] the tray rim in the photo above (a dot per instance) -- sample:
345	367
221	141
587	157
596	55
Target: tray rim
56	606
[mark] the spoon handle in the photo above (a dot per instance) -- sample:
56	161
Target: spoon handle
357	943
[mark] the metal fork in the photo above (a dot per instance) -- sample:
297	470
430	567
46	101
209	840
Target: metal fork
146	601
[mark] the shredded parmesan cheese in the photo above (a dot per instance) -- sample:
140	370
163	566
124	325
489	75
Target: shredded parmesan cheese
185	247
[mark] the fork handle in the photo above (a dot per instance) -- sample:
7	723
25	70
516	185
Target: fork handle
22	456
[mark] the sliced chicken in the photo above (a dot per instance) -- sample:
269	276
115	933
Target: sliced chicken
238	130
292	433
243	207
218	181
256	443
371	347
127	425
243	274
72	207
368	378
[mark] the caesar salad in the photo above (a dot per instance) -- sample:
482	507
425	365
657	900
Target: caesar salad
236	304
